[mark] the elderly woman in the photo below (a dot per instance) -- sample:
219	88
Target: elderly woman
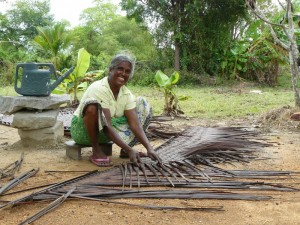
109	111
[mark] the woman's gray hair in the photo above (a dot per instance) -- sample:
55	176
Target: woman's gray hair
123	57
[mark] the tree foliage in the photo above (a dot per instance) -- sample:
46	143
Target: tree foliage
94	21
197	30
18	25
103	33
253	56
17	30
201	38
287	40
53	40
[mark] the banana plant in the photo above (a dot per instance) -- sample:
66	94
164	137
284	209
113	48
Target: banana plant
76	81
167	85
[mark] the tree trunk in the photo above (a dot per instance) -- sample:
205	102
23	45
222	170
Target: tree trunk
177	56
293	54
294	74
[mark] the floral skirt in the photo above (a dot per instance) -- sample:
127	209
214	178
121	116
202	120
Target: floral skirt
80	135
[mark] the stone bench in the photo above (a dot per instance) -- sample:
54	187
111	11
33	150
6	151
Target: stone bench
73	150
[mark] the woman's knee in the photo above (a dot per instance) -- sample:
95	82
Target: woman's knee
91	111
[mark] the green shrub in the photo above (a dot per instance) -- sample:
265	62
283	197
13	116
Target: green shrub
143	75
191	79
7	71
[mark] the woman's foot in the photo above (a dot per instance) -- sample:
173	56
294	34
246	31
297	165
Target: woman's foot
101	162
98	153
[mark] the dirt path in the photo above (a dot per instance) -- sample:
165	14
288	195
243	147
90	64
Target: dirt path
283	209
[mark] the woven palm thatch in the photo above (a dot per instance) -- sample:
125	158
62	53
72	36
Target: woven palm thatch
191	160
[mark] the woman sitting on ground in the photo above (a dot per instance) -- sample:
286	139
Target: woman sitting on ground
109	111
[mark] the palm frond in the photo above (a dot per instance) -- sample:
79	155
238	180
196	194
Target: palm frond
191	160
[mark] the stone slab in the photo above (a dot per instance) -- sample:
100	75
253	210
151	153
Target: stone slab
51	134
12	104
29	120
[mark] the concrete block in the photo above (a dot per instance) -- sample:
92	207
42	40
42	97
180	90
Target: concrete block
73	150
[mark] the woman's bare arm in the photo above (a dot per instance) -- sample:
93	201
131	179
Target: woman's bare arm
110	132
139	133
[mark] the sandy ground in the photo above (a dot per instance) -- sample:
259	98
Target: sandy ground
283	209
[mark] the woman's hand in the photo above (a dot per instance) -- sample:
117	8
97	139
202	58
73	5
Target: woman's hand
134	157
139	133
153	155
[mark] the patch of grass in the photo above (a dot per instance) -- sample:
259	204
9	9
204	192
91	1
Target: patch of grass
213	102
8	91
209	103
284	79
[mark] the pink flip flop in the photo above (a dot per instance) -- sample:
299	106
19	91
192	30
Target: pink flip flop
101	162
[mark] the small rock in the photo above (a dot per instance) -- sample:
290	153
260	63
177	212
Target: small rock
256	91
295	116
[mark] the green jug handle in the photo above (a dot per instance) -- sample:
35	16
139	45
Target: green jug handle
51	67
17	75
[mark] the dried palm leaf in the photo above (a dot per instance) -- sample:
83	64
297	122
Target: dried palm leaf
190	161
